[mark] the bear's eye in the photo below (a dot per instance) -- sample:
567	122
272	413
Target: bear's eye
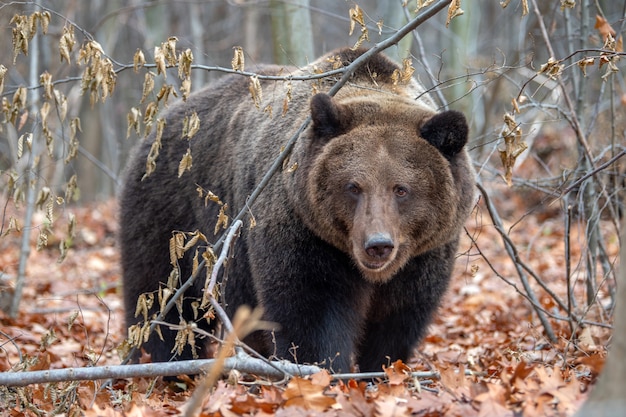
353	189
400	191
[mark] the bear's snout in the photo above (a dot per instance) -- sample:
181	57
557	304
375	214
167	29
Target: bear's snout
379	246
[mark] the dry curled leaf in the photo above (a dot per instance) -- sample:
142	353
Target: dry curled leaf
3	71
356	17
238	62
256	91
553	68
423	3
185	163
191	125
66	43
185	59
454	10
304	393
513	146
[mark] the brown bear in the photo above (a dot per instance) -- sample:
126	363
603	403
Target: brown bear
353	243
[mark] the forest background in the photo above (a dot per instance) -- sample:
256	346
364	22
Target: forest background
542	86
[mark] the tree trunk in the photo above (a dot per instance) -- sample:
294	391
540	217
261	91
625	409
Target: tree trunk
292	32
608	397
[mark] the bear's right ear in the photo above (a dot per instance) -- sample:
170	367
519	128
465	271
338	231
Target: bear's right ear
328	117
446	131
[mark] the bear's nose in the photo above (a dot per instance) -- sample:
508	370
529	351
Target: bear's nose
379	245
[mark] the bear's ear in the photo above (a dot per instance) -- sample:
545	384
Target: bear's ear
447	131
328	117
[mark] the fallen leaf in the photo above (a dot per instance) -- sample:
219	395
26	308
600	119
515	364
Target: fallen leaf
304	393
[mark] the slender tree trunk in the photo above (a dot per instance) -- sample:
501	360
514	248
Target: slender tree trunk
608	397
292	32
31	177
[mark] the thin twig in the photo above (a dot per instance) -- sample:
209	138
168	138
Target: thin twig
510	248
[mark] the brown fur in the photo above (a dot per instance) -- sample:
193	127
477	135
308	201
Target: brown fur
352	251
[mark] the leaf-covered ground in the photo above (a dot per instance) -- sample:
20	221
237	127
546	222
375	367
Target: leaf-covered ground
486	343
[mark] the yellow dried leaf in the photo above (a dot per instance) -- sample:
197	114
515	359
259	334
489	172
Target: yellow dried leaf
169	49
184	64
454	10
195	263
71	225
161	123
552	68
44	111
71	188
151	159
176	247
185	163
191	125
20	35
515	106
13	226
50	211
19	98
44	21
159	60
148	86
292	168
46	81
73	146
356	16
164	296
570	4
139	60
173	278
513	146
152	110
306	394
423	3
255	91
404	75
3	71
66	43
133	117
20	146
42	240
61	102
212	197
238	62
22	122
42	197
185	88
222	219
144	304
584	63
75	127
165	92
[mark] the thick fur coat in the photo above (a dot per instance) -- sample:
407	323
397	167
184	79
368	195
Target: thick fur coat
353	247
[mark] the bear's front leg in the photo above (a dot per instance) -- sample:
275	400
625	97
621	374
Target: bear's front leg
401	309
317	299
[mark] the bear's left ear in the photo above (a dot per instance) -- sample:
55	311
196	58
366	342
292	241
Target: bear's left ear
329	118
446	131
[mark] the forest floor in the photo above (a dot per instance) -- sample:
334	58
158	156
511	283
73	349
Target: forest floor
487	344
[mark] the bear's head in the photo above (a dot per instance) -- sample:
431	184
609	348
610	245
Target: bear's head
384	179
